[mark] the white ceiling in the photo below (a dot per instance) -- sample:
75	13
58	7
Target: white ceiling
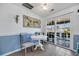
45	13
56	6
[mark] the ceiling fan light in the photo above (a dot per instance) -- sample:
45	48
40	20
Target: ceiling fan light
44	7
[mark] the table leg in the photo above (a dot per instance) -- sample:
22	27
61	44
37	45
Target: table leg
41	46
25	51
35	47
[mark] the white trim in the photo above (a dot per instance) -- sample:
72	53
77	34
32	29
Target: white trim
11	52
9	34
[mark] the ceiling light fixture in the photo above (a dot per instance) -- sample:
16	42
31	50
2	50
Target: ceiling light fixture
44	6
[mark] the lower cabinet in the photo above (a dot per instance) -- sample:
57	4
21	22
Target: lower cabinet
63	42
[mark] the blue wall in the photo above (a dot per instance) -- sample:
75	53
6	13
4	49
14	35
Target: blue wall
25	37
13	42
9	43
76	39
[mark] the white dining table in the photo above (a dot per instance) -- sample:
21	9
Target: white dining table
39	38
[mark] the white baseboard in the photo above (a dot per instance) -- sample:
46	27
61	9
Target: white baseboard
11	52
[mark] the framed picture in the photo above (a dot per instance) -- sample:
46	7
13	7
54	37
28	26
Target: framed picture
31	22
